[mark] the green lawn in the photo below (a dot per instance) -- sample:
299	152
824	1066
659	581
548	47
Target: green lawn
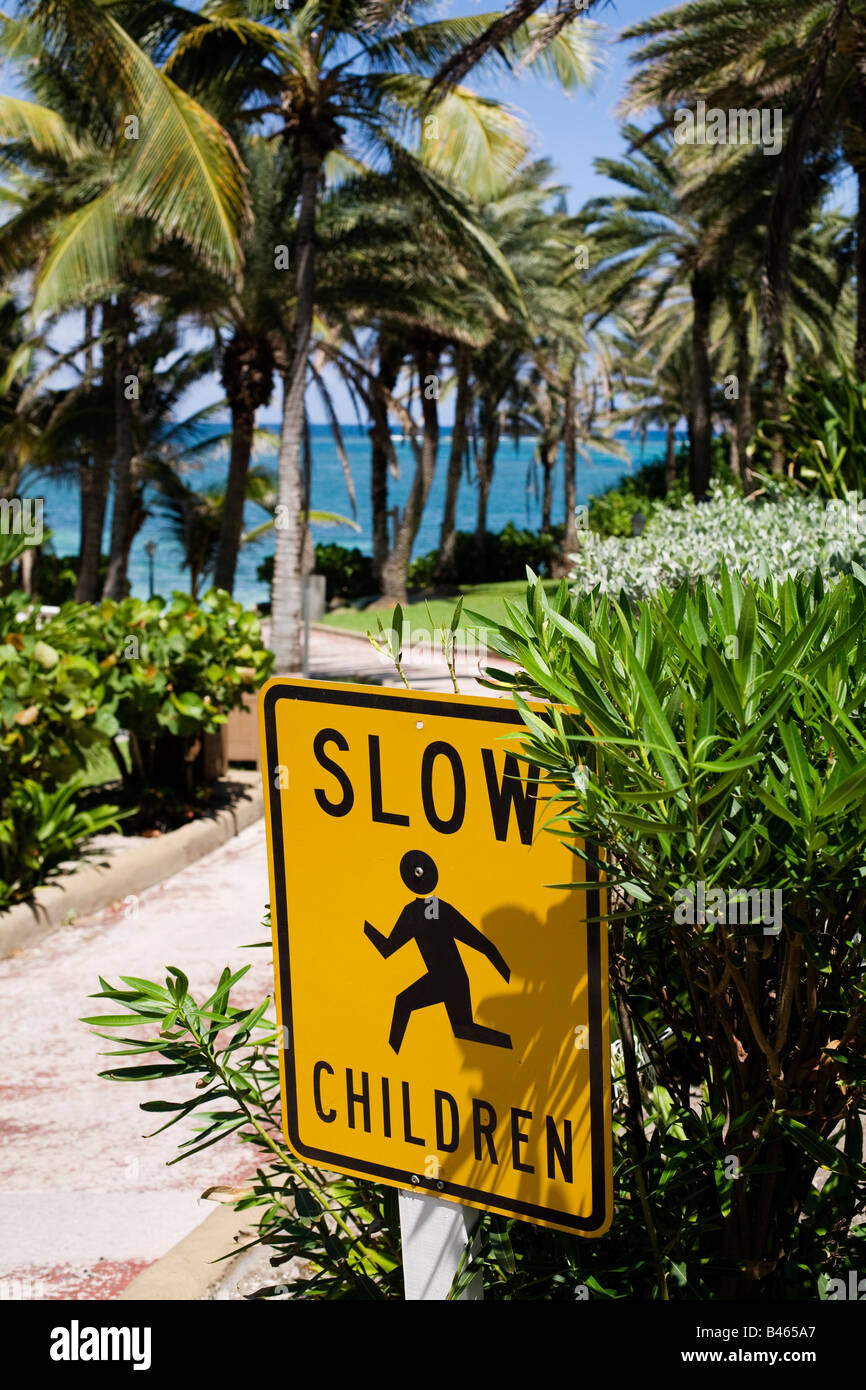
485	599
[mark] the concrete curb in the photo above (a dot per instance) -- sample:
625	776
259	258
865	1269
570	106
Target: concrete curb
91	887
187	1271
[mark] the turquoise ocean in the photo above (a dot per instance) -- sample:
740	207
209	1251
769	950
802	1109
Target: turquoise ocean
515	496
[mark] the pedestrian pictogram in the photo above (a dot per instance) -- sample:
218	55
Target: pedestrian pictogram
436	927
441	986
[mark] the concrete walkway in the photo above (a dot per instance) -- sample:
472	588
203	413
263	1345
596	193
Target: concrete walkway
85	1201
346	657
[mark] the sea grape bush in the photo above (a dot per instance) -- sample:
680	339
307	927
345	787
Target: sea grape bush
71	681
153	668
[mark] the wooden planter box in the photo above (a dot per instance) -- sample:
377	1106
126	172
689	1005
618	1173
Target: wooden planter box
242	733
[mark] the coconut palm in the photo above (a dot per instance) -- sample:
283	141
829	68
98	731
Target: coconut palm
652	236
325	78
802	56
655	350
420	299
259	316
128	144
538	244
111	158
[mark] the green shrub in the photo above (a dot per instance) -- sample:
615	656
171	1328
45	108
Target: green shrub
175	671
55	576
611	512
179	667
348	573
780	534
503	555
719	739
824	431
41	829
55	701
346	1230
164	671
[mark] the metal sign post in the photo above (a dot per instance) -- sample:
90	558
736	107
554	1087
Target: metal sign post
434	1235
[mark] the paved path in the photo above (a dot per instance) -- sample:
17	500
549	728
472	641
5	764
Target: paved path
85	1201
344	657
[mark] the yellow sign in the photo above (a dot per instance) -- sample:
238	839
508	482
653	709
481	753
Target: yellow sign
444	1010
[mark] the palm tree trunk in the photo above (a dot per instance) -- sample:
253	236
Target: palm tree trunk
569	446
671	457
860	349
395	569
95	481
287	599
444	572
485	464
744	408
115	580
734	455
701	415
390	358
231	526
95	475
779	376
549	450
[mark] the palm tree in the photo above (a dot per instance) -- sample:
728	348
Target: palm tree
176	170
195	515
656	237
319	74
537	243
458	455
653	374
259	315
112	157
421	298
802	56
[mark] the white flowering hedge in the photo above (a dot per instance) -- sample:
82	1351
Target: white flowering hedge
788	534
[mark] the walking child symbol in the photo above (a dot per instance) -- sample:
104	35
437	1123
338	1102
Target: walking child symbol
436	933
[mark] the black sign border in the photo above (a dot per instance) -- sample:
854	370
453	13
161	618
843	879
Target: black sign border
596	1222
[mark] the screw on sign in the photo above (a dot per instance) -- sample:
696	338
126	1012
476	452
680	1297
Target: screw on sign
441	988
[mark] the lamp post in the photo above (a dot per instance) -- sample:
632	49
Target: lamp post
150	552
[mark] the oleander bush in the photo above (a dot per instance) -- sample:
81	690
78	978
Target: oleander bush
779	533
704	743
